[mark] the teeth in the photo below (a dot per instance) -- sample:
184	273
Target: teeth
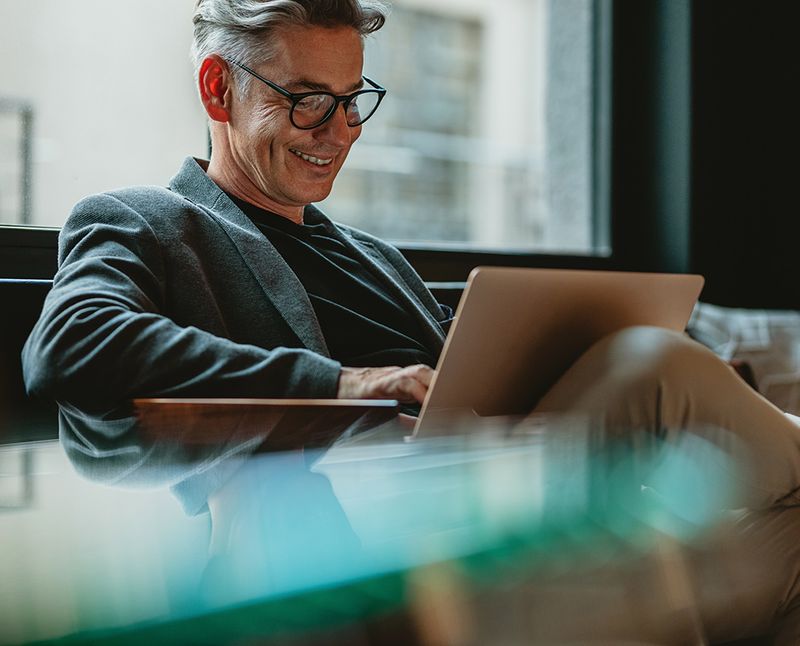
313	160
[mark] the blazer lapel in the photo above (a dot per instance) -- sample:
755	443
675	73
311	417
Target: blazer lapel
276	278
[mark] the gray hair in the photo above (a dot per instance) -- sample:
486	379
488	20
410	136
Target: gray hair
240	30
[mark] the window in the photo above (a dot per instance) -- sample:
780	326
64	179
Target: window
485	139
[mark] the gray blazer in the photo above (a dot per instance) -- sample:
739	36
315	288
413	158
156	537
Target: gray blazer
175	292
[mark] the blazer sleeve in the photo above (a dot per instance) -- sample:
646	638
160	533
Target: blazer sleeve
103	334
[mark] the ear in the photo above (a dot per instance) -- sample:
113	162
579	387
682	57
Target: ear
216	88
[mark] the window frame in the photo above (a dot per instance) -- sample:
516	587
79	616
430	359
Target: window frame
25	112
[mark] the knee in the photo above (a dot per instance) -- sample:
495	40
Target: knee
652	352
644	339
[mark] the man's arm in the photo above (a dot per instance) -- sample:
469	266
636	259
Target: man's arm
103	334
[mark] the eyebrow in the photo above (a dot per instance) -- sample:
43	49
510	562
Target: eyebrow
322	87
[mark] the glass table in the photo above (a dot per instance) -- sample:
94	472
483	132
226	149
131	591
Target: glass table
228	523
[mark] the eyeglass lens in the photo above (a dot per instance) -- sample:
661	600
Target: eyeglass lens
312	110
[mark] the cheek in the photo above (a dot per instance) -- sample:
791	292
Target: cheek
266	125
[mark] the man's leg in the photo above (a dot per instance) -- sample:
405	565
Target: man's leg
649	381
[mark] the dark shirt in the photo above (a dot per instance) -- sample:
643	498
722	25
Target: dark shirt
362	324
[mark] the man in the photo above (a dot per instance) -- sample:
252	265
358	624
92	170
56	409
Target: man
231	283
186	291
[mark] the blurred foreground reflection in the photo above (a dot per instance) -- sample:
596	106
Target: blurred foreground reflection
240	523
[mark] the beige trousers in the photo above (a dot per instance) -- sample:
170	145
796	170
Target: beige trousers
649	381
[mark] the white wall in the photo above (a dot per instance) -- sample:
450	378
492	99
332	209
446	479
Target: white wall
111	85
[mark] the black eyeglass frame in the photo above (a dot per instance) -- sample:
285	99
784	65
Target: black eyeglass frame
345	99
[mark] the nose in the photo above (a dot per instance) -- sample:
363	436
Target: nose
335	130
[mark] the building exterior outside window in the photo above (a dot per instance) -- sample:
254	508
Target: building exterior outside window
484	140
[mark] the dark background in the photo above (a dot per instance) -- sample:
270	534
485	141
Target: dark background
745	217
706	145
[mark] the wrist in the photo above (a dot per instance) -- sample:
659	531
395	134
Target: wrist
344	387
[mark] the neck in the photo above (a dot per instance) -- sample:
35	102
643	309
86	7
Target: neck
237	183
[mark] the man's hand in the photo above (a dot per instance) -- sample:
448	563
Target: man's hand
403	384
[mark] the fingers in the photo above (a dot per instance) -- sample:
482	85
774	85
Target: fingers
422	373
408	389
410	384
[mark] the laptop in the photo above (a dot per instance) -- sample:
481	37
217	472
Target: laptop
516	331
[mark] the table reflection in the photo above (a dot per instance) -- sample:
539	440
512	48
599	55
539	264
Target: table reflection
219	522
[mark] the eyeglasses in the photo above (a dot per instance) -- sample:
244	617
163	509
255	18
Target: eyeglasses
311	109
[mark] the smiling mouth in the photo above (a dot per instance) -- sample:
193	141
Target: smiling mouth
309	158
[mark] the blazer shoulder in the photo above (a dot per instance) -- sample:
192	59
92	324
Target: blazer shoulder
147	199
153	204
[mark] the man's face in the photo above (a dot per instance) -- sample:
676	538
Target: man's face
266	147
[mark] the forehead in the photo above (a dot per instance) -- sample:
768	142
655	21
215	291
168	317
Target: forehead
327	55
